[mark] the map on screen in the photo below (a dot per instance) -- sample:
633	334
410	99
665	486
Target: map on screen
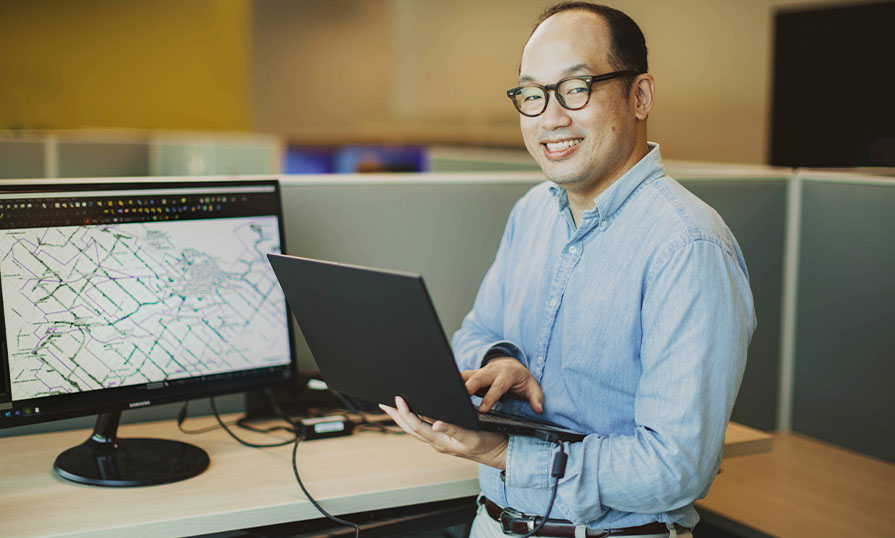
105	306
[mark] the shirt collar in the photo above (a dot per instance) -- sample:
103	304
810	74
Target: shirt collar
614	197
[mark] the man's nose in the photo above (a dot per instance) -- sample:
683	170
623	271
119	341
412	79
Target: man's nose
555	114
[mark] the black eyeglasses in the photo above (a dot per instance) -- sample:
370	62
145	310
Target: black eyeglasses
573	93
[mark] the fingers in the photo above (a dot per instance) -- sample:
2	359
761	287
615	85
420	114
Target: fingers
483	447
510	378
535	395
406	420
477	380
443	427
500	387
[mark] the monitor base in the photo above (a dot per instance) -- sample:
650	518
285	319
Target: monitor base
105	460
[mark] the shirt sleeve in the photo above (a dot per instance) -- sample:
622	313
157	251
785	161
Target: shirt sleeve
697	320
482	330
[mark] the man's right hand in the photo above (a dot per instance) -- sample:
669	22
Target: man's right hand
500	376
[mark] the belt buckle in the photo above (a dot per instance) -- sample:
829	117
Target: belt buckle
508	516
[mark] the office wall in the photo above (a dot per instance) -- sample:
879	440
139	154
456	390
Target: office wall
158	64
436	71
321	67
331	71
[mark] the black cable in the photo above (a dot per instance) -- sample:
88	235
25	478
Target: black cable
308	495
244	424
246	443
181	418
297	431
557	472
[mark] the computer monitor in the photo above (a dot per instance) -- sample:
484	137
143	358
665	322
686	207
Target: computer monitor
117	295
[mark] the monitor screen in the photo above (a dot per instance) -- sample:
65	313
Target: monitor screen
122	295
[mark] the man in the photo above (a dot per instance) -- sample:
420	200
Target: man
618	304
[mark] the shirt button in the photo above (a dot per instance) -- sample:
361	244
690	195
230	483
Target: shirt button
603	225
553	302
540	360
573	249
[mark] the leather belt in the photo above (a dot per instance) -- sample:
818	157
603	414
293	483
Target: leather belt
516	522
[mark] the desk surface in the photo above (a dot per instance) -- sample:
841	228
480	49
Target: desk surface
243	487
806	487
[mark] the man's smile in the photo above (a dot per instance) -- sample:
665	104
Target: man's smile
561	148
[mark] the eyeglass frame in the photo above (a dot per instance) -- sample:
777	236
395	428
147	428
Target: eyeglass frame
589	79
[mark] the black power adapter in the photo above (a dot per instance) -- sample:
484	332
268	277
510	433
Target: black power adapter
311	428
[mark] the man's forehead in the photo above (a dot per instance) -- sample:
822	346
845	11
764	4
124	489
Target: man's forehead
567	39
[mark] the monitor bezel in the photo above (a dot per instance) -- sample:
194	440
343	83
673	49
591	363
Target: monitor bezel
141	396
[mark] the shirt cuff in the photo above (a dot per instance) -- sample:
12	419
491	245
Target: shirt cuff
529	461
503	348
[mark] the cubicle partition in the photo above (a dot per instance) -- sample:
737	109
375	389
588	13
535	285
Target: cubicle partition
22	158
446	227
133	153
843	352
457	159
818	246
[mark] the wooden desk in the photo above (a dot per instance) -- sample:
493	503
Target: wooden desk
805	487
242	488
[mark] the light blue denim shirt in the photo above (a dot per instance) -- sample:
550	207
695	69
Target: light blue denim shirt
636	325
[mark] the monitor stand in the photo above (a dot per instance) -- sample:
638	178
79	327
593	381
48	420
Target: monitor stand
106	460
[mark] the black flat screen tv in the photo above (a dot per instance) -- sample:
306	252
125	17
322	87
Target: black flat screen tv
832	83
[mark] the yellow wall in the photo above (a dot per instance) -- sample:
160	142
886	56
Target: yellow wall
177	64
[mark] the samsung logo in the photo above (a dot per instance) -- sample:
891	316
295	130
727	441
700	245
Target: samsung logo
142	403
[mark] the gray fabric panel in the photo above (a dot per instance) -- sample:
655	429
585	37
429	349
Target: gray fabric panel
845	328
447	233
21	159
96	159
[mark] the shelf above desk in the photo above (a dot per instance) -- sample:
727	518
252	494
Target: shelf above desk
243	487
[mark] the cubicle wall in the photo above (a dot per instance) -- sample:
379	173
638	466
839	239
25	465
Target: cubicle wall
844	346
446	227
22	159
195	154
77	158
88	153
818	246
456	159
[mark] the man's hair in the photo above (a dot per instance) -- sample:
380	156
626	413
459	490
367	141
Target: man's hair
628	47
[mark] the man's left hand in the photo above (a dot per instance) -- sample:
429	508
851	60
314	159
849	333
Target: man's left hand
483	447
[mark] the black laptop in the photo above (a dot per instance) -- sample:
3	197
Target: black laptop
375	334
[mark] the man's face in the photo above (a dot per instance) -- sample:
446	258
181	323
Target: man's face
585	149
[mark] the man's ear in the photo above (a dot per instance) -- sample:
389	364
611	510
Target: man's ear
644	93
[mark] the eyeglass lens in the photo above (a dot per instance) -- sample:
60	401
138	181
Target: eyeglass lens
572	93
